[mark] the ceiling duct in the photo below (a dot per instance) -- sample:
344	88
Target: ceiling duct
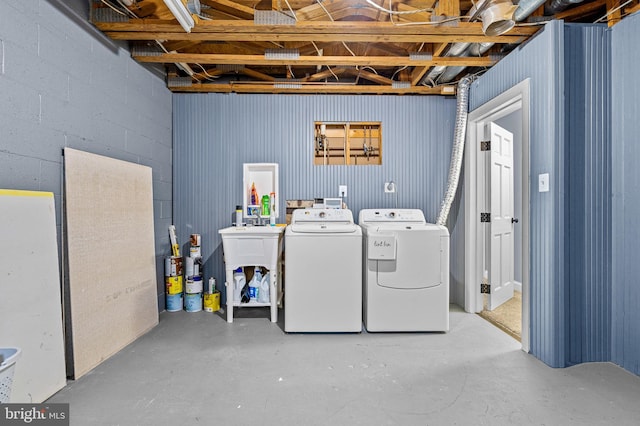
524	9
497	18
554	6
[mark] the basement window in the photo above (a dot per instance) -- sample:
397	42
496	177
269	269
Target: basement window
348	143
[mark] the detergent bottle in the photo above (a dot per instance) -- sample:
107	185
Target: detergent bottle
255	200
263	294
254	284
239	280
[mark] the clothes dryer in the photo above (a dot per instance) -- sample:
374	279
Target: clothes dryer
405	271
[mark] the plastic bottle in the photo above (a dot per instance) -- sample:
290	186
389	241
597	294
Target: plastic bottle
255	200
265	206
264	290
272	209
238	215
239	280
254	284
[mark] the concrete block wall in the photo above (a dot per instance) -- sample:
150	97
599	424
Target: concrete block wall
63	86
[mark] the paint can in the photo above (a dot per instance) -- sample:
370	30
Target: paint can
173	284
188	266
194	286
172	266
197	266
212	302
193	302
174	302
195	251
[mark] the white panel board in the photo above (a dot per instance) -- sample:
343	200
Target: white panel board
111	256
30	303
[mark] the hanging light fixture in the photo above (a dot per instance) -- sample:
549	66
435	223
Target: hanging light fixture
497	17
182	14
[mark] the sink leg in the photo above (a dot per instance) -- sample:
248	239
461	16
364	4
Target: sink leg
272	293
229	285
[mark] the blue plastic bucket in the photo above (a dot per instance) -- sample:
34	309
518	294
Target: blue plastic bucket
174	302
193	302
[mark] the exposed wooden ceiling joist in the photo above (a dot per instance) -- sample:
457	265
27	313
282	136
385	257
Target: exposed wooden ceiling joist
373	61
344	46
313	89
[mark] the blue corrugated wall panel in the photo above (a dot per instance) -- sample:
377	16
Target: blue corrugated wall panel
625	63
541	60
214	134
588	189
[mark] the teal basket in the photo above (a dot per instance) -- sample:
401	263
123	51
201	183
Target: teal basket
8	358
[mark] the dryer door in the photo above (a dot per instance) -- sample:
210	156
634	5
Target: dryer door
418	261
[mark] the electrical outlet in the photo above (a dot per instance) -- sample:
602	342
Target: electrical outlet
389	187
342	191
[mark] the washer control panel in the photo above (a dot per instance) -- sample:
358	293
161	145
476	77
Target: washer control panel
322	215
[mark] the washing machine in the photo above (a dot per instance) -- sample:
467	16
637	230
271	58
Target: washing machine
323	272
405	271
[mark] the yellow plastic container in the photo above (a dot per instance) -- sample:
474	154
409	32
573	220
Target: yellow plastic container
212	302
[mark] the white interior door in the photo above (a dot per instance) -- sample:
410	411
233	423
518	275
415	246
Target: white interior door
501	225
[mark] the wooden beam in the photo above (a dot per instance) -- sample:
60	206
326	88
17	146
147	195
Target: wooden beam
413	17
230	7
383	61
419	72
583	9
316	29
448	8
438	49
325	74
614	17
257	74
208	74
279	37
310	89
373	77
632	9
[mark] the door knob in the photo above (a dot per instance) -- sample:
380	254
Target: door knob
514	220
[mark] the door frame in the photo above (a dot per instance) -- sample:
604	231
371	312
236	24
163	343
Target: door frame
514	99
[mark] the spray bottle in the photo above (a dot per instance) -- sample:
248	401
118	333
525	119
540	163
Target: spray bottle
272	209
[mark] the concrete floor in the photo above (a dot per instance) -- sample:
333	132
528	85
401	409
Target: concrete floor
195	369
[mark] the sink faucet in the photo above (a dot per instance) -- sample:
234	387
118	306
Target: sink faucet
258	220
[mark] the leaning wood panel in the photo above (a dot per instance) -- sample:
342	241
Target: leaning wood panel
112	279
30	308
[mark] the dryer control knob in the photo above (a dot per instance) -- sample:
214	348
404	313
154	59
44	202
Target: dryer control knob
392	214
322	214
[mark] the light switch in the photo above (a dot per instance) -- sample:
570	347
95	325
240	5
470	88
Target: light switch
543	182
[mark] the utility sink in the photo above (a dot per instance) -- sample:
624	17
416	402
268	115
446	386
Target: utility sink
251	245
